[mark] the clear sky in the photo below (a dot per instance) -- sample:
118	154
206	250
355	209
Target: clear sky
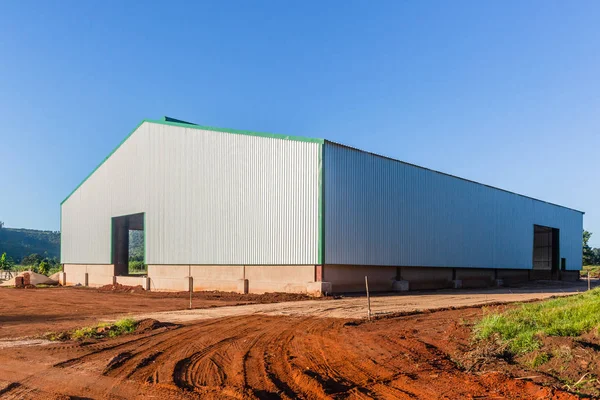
502	92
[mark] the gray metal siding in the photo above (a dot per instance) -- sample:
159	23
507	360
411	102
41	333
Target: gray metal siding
209	198
384	212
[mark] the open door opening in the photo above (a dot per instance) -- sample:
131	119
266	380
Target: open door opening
128	245
546	255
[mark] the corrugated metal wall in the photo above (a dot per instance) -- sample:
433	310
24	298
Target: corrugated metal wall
209	198
383	212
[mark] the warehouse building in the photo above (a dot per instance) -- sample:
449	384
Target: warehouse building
251	212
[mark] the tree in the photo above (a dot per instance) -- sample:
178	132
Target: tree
596	256
32	260
6	262
43	267
588	255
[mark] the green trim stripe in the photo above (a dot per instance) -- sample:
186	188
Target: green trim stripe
103	161
145	236
61	238
321	201
170	121
183	124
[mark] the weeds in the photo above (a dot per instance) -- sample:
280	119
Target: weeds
520	327
99	331
540	359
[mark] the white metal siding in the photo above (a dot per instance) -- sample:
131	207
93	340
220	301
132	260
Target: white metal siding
209	198
384	212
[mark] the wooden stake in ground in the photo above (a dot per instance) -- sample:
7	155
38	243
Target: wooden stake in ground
190	284
368	299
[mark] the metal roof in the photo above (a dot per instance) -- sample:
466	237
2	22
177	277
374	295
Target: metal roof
184	124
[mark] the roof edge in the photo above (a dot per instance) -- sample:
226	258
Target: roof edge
183	124
103	161
450	175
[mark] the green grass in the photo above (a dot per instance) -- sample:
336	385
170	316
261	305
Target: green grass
137	267
519	327
540	359
101	330
594	271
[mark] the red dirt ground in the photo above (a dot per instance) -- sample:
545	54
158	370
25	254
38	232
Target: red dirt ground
38	311
266	357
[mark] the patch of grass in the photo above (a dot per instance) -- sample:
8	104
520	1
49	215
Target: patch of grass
593	270
101	330
540	359
519	327
137	267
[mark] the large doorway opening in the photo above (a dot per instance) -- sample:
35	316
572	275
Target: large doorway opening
128	245
546	256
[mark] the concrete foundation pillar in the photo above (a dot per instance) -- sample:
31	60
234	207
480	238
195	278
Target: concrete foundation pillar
318	288
147	283
86	280
457	283
400	286
242	286
62	278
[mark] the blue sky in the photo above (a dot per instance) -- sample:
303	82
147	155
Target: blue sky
505	93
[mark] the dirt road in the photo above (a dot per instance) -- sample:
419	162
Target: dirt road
28	312
356	306
269	357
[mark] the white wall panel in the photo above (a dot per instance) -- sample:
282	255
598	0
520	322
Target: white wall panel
209	197
380	211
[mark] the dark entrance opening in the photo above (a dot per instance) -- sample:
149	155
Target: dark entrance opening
546	256
128	248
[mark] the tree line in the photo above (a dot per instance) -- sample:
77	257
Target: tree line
34	262
591	256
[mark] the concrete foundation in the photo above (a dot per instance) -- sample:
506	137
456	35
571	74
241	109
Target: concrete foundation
319	288
310	279
570	276
97	274
351	278
133	281
421	278
513	276
400	286
540	274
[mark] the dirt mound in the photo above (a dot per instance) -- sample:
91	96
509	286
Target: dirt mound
118	288
55	276
149	324
34	279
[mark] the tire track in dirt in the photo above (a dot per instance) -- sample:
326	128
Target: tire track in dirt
263	357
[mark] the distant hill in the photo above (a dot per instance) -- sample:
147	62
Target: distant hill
18	243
